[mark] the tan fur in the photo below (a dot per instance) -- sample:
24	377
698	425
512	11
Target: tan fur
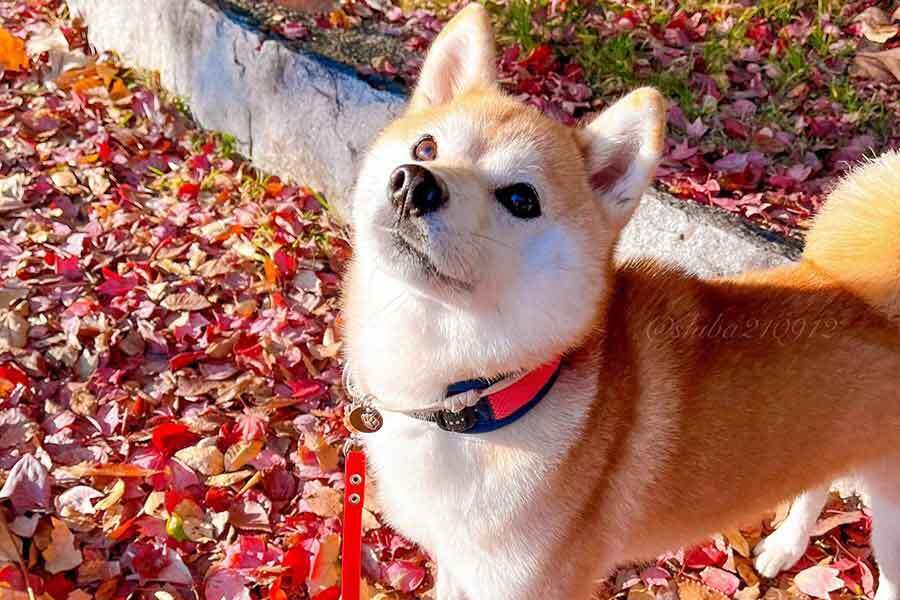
683	407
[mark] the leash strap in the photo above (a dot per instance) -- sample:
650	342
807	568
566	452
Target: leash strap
351	548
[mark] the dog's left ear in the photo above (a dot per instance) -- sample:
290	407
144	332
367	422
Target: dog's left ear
624	146
461	59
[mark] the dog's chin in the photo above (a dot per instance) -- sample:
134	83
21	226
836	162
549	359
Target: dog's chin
413	262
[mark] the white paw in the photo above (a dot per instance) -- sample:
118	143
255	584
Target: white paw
780	551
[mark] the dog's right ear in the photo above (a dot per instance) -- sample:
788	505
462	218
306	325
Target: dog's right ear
462	58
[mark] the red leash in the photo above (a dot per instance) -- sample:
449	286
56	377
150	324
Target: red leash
351	548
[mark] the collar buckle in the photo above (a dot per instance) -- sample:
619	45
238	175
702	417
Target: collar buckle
457	422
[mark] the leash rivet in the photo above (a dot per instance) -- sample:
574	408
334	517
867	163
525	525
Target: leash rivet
356	479
354	498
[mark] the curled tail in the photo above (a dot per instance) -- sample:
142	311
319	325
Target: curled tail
855	239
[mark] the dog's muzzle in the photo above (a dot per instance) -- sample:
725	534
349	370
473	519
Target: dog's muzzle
415	191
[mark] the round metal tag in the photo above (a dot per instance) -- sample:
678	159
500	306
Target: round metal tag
365	419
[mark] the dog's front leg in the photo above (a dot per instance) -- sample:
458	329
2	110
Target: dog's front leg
445	588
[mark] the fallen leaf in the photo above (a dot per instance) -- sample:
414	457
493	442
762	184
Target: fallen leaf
107	470
720	579
737	541
188	301
228	479
325	502
28	485
12	52
206	460
689	589
61	554
241	453
879	67
113	497
817	581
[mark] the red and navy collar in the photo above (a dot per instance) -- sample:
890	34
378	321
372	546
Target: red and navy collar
494	409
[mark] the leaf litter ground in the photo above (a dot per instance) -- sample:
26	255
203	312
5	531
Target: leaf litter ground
170	407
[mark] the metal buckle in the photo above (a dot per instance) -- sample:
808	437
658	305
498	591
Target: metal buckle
457	422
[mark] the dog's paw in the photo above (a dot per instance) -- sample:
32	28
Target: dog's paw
780	551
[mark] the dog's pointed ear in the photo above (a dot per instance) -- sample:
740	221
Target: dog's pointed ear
624	145
462	58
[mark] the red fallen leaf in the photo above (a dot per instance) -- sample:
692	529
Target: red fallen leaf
332	593
104	151
275	592
11	578
228	436
218	499
13	374
68	268
189	191
839	519
539	60
169	438
286	263
58	586
248	346
173	498
706	555
148	559
735	128
721	580
297	561
184	359
115	284
405	575
306	388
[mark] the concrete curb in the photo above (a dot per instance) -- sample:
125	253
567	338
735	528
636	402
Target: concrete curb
309	118
292	113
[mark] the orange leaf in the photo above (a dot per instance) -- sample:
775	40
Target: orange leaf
12	52
271	271
118	90
110	470
273	188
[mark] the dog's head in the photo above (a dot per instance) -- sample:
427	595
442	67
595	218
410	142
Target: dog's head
484	207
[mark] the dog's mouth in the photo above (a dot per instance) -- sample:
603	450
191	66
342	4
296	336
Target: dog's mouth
408	250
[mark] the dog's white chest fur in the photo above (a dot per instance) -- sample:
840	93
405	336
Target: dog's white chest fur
481	504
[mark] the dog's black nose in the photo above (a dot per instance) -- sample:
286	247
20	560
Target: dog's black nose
416	191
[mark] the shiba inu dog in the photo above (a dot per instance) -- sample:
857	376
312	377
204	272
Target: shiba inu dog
645	402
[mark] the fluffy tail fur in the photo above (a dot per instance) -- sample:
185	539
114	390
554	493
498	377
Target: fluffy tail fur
855	239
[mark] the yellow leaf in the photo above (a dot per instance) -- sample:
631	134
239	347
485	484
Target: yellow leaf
738	542
228	479
206	460
12	52
108	470
241	453
113	497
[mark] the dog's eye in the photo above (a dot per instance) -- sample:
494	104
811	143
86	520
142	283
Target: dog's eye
520	199
425	149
